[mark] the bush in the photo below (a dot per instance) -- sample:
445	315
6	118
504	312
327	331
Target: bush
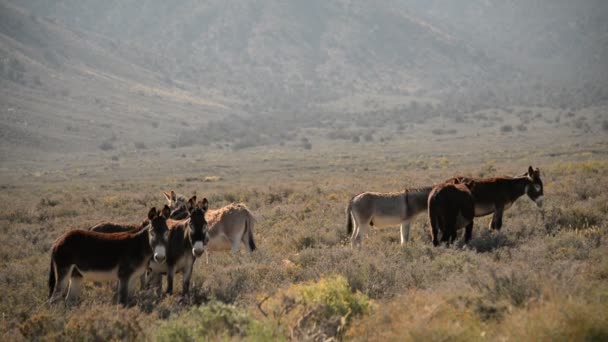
216	321
140	145
517	287
506	128
442	131
106	146
322	309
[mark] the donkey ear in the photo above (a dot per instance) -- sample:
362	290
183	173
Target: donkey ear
167	196
530	171
191	203
166	212
152	213
204	204
173	196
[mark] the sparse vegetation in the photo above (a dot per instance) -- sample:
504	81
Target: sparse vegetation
294	126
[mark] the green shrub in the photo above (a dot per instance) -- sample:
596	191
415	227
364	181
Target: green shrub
216	321
321	309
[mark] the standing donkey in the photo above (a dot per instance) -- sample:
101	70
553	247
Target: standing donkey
375	209
450	203
495	195
451	207
83	254
187	241
229	226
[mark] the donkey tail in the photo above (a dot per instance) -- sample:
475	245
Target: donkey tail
349	218
434	219
51	279
249	223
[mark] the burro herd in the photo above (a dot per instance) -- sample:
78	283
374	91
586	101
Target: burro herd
171	239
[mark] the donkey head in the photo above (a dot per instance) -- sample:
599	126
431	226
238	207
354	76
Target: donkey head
174	200
158	233
534	189
198	235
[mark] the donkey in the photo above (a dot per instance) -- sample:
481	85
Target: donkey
83	254
495	195
111	227
176	201
229	226
451	206
375	209
187	241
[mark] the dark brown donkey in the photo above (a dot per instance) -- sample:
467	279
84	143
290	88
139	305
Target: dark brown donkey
83	254
187	241
451	207
495	195
111	227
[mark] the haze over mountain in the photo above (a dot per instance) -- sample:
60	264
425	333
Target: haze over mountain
78	74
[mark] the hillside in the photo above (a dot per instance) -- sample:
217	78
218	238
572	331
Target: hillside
83	75
66	90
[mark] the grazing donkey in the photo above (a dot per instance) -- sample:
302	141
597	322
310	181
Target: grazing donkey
375	209
451	207
187	241
83	254
229	226
495	195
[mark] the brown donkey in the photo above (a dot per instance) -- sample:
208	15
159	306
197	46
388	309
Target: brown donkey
187	241
495	195
83	254
451	207
111	227
229	226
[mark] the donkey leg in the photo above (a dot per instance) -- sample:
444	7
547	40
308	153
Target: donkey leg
123	290
170	276
186	279
496	222
405	232
468	232
355	238
74	288
155	280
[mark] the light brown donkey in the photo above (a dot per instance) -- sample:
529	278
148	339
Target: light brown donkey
376	209
229	226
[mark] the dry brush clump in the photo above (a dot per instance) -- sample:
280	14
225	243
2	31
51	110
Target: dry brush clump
517	283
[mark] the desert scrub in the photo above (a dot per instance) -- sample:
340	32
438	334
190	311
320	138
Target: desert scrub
564	320
216	321
515	287
96	323
313	310
417	317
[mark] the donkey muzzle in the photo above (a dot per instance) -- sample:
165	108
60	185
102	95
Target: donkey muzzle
198	248
159	254
539	201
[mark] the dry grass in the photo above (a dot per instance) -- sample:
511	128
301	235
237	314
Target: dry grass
542	277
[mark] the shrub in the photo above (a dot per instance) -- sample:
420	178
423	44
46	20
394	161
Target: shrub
101	323
506	128
323	309
140	145
516	287
442	131
216	321
106	146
